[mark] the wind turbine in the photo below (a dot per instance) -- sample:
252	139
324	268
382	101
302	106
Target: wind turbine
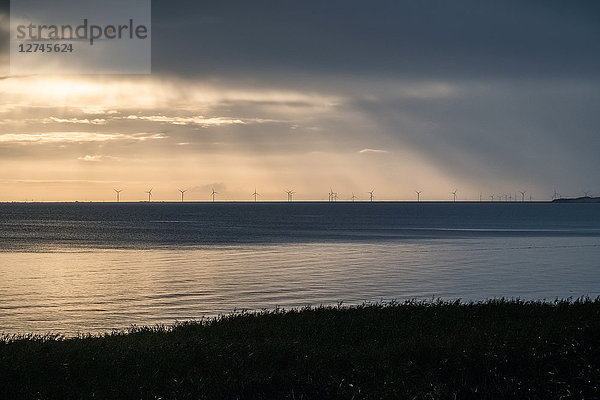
353	197
255	194
555	195
213	194
418	192
371	194
118	194
523	194
149	194
454	194
492	197
330	194
182	192
290	194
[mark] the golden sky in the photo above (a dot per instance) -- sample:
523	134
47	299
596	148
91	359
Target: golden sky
77	138
239	99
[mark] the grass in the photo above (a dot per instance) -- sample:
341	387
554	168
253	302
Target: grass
492	350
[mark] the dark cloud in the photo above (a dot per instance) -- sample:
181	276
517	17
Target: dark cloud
4	21
399	38
268	39
289	40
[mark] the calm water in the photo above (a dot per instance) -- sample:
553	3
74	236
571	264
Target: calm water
84	267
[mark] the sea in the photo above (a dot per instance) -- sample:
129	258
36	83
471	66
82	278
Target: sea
91	268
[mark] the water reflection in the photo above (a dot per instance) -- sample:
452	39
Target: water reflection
98	290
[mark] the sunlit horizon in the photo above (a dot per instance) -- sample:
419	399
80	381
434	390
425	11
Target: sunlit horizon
75	138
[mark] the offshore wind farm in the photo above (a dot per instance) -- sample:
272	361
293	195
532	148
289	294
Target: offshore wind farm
333	197
197	196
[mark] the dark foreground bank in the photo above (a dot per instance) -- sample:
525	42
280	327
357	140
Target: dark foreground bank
497	349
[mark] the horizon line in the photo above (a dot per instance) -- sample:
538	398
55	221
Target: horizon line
276	201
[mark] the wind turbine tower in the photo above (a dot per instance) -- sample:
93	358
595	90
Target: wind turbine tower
418	192
149	195
523	194
454	194
213	194
255	194
118	194
290	194
182	192
371	194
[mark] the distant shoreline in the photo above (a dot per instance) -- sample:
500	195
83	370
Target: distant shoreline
584	199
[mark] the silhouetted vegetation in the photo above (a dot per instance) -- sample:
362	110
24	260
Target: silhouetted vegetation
491	350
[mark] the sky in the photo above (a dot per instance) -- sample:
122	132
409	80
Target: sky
479	97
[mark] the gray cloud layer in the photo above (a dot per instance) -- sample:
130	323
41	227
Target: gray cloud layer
425	39
433	38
